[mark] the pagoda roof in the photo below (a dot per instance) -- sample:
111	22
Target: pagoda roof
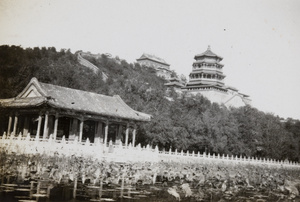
208	53
153	58
174	79
203	84
244	95
37	93
200	70
200	85
232	88
208	62
174	83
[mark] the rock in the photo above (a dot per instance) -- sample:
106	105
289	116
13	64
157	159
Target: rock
291	187
173	192
186	189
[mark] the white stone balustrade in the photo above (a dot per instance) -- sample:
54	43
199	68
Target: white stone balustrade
120	153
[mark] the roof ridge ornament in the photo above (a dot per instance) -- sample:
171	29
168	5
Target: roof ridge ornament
208	48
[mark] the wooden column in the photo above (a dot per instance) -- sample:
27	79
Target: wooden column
15	124
9	124
55	126
39	126
45	133
118	139
106	133
127	134
99	135
80	129
133	135
26	127
73	132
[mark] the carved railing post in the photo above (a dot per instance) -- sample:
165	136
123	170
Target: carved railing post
87	142
4	136
156	149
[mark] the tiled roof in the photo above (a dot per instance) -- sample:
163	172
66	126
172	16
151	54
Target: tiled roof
203	84
208	62
174	83
154	58
76	100
244	95
208	53
164	68
232	88
22	102
200	85
205	70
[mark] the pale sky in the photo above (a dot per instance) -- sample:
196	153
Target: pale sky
259	40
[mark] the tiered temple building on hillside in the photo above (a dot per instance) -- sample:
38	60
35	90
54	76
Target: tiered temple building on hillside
44	109
207	78
174	83
160	65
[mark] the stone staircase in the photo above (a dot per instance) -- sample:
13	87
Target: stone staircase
89	65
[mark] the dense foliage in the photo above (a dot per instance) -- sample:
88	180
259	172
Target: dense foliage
179	122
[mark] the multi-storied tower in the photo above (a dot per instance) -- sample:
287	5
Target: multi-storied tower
207	78
207	71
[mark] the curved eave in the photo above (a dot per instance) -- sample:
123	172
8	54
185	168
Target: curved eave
18	103
140	116
145	58
207	55
163	69
204	86
208	62
22	102
174	84
244	95
203	82
232	88
213	71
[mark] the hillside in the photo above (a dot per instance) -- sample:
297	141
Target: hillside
188	123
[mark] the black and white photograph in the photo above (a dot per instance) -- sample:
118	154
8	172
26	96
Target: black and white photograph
149	100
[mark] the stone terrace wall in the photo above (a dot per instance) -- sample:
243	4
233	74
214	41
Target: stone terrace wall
120	153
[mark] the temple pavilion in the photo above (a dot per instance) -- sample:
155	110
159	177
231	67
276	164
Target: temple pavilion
207	79
161	67
174	83
43	109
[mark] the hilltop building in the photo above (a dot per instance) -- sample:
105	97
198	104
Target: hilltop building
43	109
207	78
174	83
160	65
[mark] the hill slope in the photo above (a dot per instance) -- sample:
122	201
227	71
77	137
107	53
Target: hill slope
188	123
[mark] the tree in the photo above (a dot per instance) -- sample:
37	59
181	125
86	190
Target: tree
183	122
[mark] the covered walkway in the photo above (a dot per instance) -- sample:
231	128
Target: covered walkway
44	109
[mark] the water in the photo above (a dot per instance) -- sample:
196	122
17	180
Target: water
158	192
55	179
